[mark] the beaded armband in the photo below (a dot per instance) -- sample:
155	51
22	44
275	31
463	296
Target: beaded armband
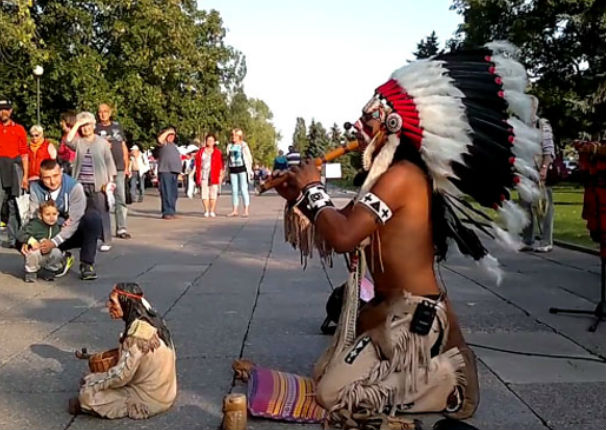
377	206
314	200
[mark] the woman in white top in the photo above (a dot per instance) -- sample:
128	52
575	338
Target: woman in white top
140	165
240	165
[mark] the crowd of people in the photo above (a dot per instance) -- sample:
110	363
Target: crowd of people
59	198
402	350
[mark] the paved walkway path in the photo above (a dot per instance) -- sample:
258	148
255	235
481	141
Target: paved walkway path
230	288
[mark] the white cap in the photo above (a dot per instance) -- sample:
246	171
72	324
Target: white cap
134	147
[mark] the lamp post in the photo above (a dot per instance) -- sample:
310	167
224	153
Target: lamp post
38	71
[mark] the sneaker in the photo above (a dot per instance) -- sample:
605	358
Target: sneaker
30	276
123	235
87	272
206	215
68	262
526	248
47	275
8	244
469	394
212	214
105	247
545	248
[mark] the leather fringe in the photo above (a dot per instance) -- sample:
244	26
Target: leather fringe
302	235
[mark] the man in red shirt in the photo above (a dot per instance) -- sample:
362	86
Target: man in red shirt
13	165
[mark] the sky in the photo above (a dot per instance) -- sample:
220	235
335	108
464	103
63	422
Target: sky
322	59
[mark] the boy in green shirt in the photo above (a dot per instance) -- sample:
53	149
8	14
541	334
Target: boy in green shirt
44	227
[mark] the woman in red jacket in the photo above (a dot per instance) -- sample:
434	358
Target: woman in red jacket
39	149
209	169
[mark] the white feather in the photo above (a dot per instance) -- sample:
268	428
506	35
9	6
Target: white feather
523	130
512	216
505	239
513	78
491	266
145	304
526	169
381	163
519	104
503	47
527	189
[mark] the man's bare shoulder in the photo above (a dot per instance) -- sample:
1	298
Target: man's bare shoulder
402	174
402	179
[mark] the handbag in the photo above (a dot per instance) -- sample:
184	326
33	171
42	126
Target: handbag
557	171
23	207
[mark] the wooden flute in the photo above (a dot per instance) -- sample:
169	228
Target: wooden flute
329	156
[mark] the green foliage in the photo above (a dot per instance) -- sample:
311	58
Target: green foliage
255	119
562	45
428	47
318	141
156	62
300	135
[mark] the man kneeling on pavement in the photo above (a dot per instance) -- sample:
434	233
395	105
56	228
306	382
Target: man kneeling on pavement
80	224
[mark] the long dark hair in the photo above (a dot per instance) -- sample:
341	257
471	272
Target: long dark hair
133	308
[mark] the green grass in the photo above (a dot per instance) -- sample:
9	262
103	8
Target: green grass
568	223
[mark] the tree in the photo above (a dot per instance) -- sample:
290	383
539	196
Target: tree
157	63
562	45
427	48
335	135
20	51
318	142
300	135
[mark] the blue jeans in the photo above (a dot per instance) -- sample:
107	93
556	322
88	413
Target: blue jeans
168	192
239	183
89	230
137	187
545	224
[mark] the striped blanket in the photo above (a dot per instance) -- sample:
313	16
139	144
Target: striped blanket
283	396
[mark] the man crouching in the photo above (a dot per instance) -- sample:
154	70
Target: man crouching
143	382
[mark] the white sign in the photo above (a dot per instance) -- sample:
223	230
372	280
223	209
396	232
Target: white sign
333	170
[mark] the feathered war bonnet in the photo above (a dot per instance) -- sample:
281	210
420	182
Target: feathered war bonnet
467	114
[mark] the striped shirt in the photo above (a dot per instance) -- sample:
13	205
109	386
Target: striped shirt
293	159
87	171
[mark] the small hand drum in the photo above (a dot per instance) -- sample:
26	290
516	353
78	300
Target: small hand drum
101	361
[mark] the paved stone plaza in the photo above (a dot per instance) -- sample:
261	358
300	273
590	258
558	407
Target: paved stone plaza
230	288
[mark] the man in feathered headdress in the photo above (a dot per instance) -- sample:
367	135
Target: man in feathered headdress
143	382
438	130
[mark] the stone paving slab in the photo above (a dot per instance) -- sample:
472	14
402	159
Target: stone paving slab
530	369
566	405
230	287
